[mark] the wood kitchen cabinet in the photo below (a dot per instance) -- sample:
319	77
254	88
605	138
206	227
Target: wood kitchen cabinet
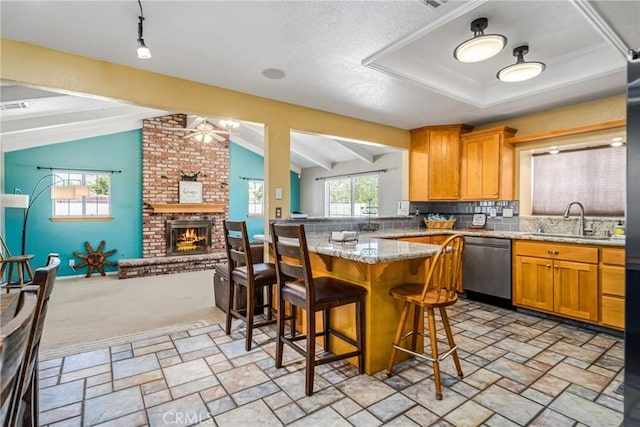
487	164
557	278
612	285
434	162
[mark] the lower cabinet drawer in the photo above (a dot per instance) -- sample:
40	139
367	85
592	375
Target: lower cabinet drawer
612	280
559	251
612	311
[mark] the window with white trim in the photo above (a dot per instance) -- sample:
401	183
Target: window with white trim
256	197
351	196
80	194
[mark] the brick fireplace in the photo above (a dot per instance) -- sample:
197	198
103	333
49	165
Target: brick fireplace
166	157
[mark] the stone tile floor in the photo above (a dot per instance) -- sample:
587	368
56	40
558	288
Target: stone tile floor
519	370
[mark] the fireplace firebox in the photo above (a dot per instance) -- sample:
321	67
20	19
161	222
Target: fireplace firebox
188	237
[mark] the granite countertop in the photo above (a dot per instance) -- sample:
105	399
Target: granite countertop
369	248
379	246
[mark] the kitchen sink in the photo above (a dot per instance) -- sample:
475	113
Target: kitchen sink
570	236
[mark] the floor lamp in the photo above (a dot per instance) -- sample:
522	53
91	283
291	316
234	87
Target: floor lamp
58	192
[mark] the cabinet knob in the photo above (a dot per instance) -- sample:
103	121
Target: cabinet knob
556	266
553	252
548	265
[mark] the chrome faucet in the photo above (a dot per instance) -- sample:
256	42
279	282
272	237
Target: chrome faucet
581	223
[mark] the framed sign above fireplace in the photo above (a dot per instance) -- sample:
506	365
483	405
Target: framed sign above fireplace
190	192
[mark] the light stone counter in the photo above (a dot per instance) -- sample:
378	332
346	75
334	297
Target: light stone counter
514	235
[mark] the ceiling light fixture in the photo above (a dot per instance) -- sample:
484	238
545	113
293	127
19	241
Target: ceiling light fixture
481	46
204	132
143	50
229	124
521	70
616	142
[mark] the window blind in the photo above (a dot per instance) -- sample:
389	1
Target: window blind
594	177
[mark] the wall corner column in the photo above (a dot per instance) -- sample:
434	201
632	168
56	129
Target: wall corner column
277	160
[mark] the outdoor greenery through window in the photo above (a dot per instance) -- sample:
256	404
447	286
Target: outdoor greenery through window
594	177
256	199
351	196
81	194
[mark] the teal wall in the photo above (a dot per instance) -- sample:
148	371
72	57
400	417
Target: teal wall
245	163
120	151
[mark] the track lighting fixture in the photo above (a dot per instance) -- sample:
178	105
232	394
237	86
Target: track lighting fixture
143	50
521	70
481	46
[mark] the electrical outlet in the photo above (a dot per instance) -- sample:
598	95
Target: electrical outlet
72	263
278	212
493	212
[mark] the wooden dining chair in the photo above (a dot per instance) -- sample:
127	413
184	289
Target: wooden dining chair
17	263
438	291
253	277
298	287
13	346
24	406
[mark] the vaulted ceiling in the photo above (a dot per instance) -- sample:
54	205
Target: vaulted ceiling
388	62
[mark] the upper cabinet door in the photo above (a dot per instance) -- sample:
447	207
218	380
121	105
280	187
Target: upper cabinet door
487	165
434	163
444	164
418	155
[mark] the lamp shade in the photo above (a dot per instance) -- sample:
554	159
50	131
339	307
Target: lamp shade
59	192
82	190
14	201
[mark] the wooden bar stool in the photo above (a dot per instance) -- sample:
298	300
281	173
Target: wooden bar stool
254	277
438	291
18	262
298	287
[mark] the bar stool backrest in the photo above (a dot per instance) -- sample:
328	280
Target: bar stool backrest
237	244
445	271
292	256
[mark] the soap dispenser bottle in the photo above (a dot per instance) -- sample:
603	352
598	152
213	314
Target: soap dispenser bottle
619	230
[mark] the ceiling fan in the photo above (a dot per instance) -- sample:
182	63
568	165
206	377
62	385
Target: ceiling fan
203	129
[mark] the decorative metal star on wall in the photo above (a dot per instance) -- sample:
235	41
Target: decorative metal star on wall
95	259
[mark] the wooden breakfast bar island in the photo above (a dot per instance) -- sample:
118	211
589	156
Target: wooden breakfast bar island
377	265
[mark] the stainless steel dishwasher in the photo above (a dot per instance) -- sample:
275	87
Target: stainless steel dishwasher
486	266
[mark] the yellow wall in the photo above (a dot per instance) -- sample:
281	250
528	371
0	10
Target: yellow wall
602	110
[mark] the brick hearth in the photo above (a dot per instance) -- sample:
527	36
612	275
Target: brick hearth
165	154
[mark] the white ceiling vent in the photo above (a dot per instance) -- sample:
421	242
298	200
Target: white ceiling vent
433	3
13	105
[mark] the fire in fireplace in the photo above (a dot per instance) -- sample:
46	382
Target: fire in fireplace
188	237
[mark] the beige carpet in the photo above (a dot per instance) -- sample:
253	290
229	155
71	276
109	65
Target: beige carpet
98	308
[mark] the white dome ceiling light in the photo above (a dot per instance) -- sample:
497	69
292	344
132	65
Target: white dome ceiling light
521	70
481	46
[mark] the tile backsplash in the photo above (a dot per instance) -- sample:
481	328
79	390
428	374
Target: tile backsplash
464	211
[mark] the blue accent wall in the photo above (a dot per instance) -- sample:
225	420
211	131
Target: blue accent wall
245	163
120	151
